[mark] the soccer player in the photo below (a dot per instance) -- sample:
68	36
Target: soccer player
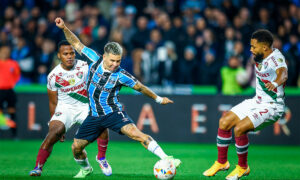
265	108
68	103
105	80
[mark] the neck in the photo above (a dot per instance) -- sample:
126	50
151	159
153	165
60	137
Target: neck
66	68
268	53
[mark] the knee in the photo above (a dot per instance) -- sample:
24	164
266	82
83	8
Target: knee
238	131
76	149
224	123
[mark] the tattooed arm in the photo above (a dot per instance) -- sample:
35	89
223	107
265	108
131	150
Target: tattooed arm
148	92
71	37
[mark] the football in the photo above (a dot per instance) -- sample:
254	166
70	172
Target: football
164	169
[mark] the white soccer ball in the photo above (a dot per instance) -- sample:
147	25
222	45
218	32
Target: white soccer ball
164	169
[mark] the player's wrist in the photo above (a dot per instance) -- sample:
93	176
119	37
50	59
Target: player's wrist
275	84
159	99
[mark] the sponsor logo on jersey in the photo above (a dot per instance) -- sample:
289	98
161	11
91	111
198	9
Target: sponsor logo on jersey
255	116
79	74
58	113
60	74
262	74
280	60
71	81
73	88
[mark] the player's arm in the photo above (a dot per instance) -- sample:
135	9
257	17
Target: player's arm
148	92
75	42
282	76
71	37
52	101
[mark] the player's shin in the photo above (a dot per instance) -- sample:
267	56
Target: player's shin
242	144
156	149
41	158
102	147
223	141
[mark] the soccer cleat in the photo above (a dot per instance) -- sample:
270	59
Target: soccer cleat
176	162
105	167
83	173
216	168
36	172
238	172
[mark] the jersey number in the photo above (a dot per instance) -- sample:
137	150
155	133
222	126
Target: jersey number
261	112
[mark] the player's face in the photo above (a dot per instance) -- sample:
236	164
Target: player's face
111	62
66	54
257	50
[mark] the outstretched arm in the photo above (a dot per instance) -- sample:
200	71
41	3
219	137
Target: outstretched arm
282	76
71	37
148	92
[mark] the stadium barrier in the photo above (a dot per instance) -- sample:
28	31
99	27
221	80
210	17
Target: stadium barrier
192	118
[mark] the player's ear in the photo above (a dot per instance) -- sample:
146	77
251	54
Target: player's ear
58	55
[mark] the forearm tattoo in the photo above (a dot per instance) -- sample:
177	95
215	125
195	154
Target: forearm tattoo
73	40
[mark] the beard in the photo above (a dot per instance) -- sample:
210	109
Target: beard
258	57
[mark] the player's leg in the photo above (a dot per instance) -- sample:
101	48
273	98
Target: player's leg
11	99
224	137
56	131
102	142
242	143
147	141
88	132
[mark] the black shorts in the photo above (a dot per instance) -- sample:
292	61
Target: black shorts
8	96
92	126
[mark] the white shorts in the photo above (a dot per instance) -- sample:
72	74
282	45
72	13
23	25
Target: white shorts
260	114
70	115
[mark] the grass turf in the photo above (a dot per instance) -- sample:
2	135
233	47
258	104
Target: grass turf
129	160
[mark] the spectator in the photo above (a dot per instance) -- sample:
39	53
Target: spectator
187	66
231	84
9	76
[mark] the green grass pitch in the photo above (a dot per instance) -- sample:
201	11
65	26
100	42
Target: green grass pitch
129	160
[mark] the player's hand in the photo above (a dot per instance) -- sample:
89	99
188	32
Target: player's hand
270	86
60	23
166	101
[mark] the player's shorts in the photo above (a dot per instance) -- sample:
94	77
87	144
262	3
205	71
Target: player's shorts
70	115
8	96
92	127
260	114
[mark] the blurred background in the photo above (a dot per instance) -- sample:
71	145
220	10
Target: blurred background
195	51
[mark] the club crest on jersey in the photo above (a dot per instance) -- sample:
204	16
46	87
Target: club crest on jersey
79	74
58	113
78	68
259	66
72	81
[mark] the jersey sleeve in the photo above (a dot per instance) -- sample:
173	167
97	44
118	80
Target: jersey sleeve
127	79
51	82
90	54
278	62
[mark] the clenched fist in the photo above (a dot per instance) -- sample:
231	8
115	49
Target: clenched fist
60	23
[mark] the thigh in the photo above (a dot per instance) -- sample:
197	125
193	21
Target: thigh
64	115
264	115
90	129
116	120
243	108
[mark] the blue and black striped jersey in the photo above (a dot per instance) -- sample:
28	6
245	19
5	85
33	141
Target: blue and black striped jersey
103	86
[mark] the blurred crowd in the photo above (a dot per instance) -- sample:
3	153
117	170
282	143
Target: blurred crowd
166	42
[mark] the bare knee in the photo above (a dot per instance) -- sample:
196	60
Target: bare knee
104	135
224	123
238	131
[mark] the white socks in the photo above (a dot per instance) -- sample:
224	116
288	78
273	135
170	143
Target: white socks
156	149
83	163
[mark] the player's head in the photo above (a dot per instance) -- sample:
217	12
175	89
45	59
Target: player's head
112	56
4	52
261	44
66	54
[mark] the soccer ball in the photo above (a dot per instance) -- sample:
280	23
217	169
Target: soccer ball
164	169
